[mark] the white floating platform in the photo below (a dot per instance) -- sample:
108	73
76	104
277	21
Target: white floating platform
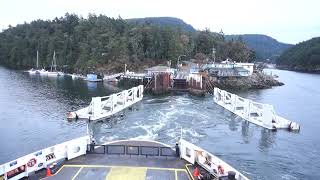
103	107
257	113
112	77
95	80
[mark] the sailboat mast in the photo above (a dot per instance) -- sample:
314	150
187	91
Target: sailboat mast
37	59
54	60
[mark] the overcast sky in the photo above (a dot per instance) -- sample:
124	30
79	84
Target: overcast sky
289	21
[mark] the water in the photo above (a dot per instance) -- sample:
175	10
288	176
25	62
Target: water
33	110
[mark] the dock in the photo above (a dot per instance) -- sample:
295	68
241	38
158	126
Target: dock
257	113
112	76
104	107
134	76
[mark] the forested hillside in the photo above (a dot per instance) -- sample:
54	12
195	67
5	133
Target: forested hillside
265	47
106	44
304	56
163	21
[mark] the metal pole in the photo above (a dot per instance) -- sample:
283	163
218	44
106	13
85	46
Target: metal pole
214	54
37	59
179	60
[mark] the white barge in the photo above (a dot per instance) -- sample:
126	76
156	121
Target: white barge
257	113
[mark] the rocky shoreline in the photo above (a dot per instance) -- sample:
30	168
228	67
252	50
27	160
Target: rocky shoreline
255	81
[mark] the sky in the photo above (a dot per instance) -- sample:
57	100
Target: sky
289	21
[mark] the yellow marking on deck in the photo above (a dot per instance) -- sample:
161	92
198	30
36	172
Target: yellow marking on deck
123	173
176	175
74	177
59	170
135	167
189	173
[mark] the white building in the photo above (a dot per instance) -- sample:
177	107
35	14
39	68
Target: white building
247	66
226	67
159	69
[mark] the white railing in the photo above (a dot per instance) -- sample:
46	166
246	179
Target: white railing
257	113
102	107
208	161
35	161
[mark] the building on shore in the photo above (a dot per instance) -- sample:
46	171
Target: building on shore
190	76
160	79
159	69
229	69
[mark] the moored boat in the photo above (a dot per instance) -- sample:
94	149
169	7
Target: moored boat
32	71
93	78
37	70
42	72
52	73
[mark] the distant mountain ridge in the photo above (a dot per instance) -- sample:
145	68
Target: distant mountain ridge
163	21
304	56
265	47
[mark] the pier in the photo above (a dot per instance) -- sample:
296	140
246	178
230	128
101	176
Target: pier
257	113
104	107
112	76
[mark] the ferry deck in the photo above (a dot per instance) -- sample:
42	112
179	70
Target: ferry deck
134	160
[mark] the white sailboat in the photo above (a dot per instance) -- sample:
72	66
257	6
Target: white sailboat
37	70
42	72
34	71
53	64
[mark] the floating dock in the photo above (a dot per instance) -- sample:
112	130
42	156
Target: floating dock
257	113
112	77
104	107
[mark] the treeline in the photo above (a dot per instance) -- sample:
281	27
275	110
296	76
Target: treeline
106	44
304	56
265	47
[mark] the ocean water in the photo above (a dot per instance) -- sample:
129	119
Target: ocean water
33	116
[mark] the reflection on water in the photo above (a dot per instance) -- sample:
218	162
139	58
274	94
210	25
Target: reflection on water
33	110
245	131
233	124
267	139
92	86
